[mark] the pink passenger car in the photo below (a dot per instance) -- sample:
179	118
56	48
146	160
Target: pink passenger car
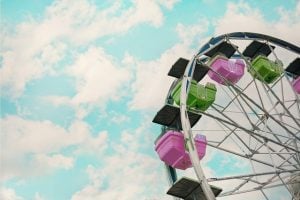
171	149
231	70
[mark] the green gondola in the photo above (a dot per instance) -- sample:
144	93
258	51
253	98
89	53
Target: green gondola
265	70
200	97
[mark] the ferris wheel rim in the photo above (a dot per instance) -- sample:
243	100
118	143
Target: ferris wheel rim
250	36
190	69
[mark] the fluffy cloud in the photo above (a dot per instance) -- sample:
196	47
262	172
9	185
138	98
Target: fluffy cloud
98	78
37	144
35	46
242	17
127	173
9	194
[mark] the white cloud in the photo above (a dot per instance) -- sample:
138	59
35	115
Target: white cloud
243	17
98	77
36	145
35	46
190	34
127	173
55	161
86	23
9	194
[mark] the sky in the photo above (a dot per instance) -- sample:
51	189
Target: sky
82	80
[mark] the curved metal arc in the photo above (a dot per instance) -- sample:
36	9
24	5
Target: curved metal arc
251	36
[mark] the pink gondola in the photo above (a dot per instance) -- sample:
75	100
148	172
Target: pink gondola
231	70
171	149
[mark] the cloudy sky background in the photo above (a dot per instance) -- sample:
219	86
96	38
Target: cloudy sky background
81	81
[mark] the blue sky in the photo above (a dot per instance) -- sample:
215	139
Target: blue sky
82	80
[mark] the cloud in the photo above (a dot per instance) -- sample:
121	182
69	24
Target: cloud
127	173
37	144
9	194
242	17
86	22
55	161
35	46
98	78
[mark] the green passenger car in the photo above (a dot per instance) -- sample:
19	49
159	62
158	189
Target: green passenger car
200	97
265	70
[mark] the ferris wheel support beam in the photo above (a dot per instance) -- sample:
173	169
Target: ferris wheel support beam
252	175
188	133
265	185
241	155
250	190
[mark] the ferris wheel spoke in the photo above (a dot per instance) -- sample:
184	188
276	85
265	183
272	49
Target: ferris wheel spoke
286	110
272	182
257	138
242	155
266	85
263	143
251	175
237	95
267	114
263	110
261	122
232	123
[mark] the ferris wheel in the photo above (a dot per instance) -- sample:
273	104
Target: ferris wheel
239	97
